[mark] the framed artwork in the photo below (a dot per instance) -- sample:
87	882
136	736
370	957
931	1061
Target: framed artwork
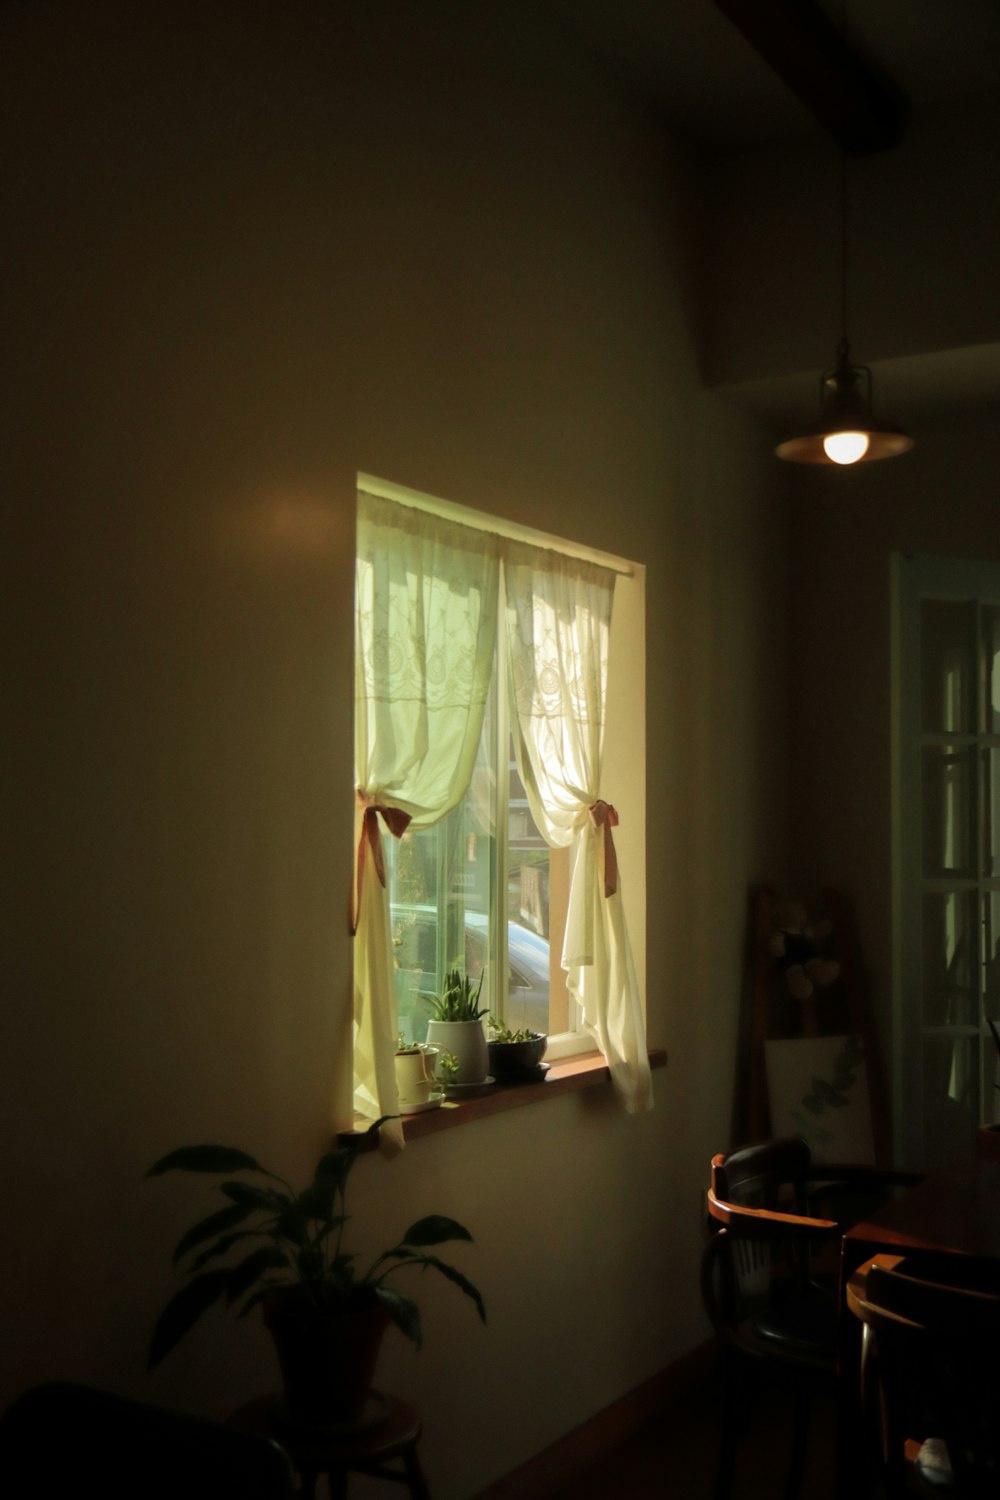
817	1088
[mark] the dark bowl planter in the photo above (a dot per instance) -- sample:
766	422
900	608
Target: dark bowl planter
327	1357
512	1062
988	1141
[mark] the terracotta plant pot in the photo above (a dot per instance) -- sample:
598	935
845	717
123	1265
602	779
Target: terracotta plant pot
327	1359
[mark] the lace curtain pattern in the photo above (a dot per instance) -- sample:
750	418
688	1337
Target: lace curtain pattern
427	594
425	634
558	624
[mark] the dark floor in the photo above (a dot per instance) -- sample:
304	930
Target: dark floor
674	1457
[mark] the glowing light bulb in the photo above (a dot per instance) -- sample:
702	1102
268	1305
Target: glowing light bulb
845	447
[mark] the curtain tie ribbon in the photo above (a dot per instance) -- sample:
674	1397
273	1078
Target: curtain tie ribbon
396	820
603	815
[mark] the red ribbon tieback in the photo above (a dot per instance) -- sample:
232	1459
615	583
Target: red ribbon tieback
603	815
397	823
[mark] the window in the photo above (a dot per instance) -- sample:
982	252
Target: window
482	667
948	852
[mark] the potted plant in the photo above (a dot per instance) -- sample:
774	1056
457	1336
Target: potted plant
416	1084
457	1027
326	1316
515	1056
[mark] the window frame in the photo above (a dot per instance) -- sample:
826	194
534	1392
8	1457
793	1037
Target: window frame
624	748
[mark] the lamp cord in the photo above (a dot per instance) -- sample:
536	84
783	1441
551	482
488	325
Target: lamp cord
843	250
843	218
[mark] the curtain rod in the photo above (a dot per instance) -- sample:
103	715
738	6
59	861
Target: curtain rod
480	521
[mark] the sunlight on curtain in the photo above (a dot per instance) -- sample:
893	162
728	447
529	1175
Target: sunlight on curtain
425	633
558	620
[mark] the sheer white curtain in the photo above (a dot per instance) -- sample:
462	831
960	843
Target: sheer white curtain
425	637
558	620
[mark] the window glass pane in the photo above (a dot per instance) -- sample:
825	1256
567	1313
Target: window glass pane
946	656
950	1097
991	668
536	914
947	793
950	971
440	882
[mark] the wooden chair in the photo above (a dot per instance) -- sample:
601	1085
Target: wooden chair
769	1279
929	1371
62	1439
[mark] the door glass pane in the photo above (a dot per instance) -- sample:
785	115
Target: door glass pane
946	657
951	1097
950	970
991	668
947	774
991	954
990	822
991	1082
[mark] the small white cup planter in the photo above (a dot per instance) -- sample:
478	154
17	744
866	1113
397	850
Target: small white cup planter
415	1080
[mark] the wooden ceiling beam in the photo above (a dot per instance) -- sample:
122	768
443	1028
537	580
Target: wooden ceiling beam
862	109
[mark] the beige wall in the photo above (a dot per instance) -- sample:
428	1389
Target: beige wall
256	249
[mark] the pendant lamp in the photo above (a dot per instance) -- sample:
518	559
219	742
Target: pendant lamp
846	430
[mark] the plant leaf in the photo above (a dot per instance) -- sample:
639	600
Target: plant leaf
205	1159
183	1311
291	1224
434	1230
266	1199
249	1271
217	1223
258	1296
316	1202
220	1247
403	1311
417	1257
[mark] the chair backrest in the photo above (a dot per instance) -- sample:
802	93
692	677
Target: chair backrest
771	1175
936	1347
60	1439
765	1237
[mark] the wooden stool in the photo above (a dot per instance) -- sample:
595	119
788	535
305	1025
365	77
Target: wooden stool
391	1433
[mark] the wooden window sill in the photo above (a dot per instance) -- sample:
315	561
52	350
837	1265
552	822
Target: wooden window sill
567	1076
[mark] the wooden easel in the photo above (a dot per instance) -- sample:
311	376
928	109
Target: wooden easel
843	1006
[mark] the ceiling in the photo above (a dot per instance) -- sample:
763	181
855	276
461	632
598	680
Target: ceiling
695	67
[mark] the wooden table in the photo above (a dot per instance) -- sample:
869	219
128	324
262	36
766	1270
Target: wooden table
954	1213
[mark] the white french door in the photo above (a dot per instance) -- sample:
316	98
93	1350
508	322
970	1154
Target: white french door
946	853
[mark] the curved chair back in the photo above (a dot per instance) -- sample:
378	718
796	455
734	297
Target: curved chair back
931	1353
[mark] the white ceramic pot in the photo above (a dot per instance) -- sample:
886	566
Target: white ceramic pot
415	1080
466	1041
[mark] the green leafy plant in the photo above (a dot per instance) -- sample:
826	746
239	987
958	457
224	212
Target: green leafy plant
458	1002
501	1032
447	1067
298	1244
404	1047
